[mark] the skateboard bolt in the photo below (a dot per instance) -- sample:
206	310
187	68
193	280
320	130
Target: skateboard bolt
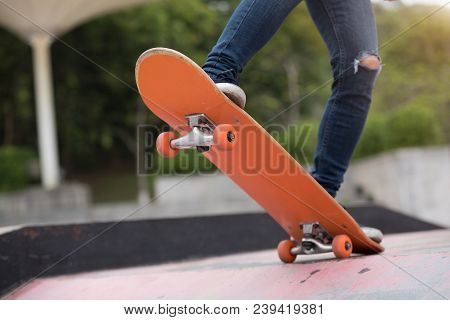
230	136
347	246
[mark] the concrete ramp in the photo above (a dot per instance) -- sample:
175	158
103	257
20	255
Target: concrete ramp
414	266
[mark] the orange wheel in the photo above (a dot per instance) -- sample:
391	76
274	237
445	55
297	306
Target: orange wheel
342	246
284	251
163	144
225	137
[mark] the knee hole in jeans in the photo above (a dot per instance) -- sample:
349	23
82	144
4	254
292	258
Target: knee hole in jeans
367	60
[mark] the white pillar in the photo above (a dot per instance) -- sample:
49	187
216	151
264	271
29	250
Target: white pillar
48	148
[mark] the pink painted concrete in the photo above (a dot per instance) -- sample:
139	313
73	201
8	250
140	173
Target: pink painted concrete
414	266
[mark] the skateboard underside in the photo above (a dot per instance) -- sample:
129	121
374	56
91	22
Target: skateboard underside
177	90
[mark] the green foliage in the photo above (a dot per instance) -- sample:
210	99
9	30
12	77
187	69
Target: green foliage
416	63
412	126
96	98
14	163
97	102
374	136
17	120
408	126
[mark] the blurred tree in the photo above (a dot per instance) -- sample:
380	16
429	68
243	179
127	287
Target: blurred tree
408	126
14	167
416	63
16	87
96	99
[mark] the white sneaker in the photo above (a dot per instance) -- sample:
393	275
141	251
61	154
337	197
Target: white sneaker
373	233
234	93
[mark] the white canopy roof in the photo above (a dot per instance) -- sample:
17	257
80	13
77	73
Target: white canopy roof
27	17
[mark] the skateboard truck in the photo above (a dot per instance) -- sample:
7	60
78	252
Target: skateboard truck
203	136
315	240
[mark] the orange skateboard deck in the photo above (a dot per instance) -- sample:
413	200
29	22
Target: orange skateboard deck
176	89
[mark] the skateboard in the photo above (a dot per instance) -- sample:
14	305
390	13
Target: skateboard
180	93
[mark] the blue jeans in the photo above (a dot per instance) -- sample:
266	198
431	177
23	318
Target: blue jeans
349	31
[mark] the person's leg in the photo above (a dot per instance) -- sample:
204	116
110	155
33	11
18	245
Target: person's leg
349	30
252	24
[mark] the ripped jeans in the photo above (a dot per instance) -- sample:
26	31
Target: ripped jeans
349	31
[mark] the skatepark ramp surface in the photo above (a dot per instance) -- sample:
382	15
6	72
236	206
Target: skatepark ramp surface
414	266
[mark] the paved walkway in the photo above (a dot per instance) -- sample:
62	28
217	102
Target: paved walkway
414	266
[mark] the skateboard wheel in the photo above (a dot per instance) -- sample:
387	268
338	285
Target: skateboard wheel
342	246
163	144
284	251
225	136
